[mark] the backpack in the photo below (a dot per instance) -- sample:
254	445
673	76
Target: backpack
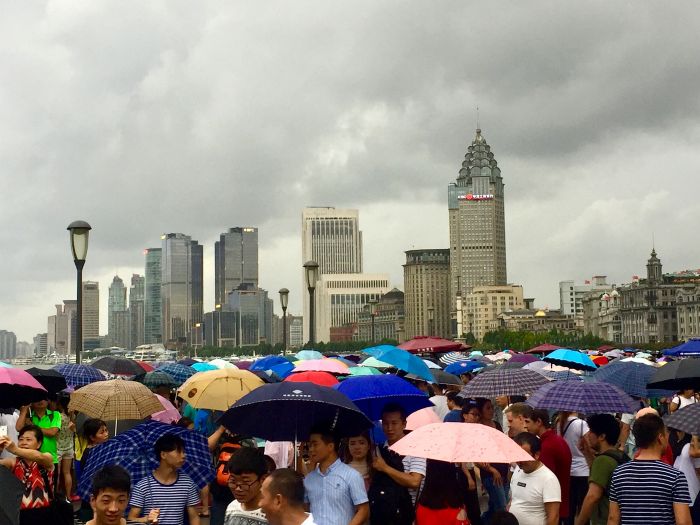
389	502
225	452
620	456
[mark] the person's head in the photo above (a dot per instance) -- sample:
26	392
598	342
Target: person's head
602	429
169	450
486	408
30	437
465	377
109	498
530	443
470	411
502	401
282	491
518	416
323	445
247	469
40	405
393	422
650	432
185	422
95	431
687	393
269	463
503	517
454	402
539	421
358	448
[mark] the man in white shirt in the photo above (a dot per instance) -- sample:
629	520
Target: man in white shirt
282	498
535	490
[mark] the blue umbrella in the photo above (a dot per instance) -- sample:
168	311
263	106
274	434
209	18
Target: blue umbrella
180	373
282	370
203	367
631	377
690	348
133	450
462	367
79	375
267	362
372	393
287	411
570	359
401	359
304	355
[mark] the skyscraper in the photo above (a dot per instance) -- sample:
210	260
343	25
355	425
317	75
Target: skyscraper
91	315
116	303
426	277
477	222
235	261
181	286
137	310
152	302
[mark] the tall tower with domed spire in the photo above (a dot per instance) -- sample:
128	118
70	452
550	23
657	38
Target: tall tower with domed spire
477	221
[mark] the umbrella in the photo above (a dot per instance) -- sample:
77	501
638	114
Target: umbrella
401	359
503	382
287	411
640	360
445	378
460	442
570	359
643	355
430	344
690	348
587	397
50	379
148	367
600	360
156	379
677	375
630	377
79	375
5	365
372	393
218	389
317	378
118	366
268	376
308	354
222	363
375	363
346	362
453	357
10	497
267	362
364	371
243	365
432	365
114	400
687	419
203	367
422	417
18	388
169	414
523	358
463	367
543	349
133	450
180	373
476	353
613	354
321	365
560	375
187	361
282	370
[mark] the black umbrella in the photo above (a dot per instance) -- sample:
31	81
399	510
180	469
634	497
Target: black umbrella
118	366
287	411
10	497
50	379
187	361
677	375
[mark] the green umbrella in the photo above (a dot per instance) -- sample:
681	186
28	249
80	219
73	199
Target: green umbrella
376	363
364	371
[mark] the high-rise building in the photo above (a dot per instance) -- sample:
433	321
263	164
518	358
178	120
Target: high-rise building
152	298
181	287
91	315
253	315
295	325
137	311
235	261
40	344
426	278
571	295
477	222
116	303
61	331
8	345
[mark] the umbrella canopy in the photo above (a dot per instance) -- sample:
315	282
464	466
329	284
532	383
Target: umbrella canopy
587	397
244	365
118	366
308	354
50	379
401	359
18	388
605	348
543	349
614	354
443	378
690	348
677	375
169	414
523	358
203	367
372	393
631	378
346	362
187	361
222	363
600	360
267	362
686	419
287	411
148	367
432	365
570	359
332	366
364	371
430	344
133	450
317	378
5	365
503	382
79	375
460	442
640	360
463	367
10	497
180	373
156	379
375	363
218	389
453	357
422	417
115	400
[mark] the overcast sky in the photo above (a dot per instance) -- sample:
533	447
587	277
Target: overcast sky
178	116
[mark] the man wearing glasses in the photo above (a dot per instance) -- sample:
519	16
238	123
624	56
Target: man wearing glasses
247	470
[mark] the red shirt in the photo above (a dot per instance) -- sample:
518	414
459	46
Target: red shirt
555	454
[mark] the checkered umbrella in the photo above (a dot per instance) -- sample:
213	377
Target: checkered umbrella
630	377
503	382
156	379
180	373
79	375
687	419
587	397
133	450
115	400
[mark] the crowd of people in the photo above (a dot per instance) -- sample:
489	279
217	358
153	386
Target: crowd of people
598	468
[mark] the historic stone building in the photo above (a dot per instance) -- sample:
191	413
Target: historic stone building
601	314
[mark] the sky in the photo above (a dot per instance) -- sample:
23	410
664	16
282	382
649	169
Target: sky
175	116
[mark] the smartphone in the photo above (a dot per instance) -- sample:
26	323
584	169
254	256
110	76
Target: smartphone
3	431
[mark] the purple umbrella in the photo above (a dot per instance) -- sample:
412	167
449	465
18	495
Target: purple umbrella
523	358
587	397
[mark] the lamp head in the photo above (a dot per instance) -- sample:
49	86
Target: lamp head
79	232
311	268
284	298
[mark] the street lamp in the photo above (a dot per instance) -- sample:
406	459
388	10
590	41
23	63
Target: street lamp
198	336
311	268
79	233
372	313
431	319
284	301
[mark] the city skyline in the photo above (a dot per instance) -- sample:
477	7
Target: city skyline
213	117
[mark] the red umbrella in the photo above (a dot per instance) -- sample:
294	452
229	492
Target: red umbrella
318	378
543	349
146	366
605	348
431	344
600	360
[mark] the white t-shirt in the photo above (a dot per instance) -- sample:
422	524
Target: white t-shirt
309	521
575	429
687	466
529	493
440	408
237	515
9	421
683	401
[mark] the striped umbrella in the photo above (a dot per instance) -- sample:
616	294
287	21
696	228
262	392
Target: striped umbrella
79	375
453	357
503	382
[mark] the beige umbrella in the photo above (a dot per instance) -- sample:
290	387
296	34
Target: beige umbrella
115	400
218	389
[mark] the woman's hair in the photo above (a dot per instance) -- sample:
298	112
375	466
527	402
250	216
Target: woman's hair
184	422
441	487
345	455
91	427
34	430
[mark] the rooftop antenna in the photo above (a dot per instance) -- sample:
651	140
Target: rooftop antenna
477	118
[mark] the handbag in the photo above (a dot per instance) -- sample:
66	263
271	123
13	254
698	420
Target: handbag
61	510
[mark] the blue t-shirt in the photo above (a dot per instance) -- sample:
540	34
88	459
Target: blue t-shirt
172	500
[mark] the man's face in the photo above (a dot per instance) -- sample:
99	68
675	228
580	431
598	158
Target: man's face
502	401
393	426
109	506
472	416
593	440
245	487
271	504
529	466
516	424
319	450
534	427
40	405
174	459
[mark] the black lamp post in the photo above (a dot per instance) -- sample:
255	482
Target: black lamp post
431	319
284	301
311	268
372	313
79	233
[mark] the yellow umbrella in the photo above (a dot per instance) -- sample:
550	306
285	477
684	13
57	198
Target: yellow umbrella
218	389
115	400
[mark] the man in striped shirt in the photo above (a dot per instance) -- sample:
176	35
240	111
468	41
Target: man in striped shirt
647	491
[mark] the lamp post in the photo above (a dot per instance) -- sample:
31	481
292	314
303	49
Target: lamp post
79	233
431	318
372	313
311	268
284	301
198	336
